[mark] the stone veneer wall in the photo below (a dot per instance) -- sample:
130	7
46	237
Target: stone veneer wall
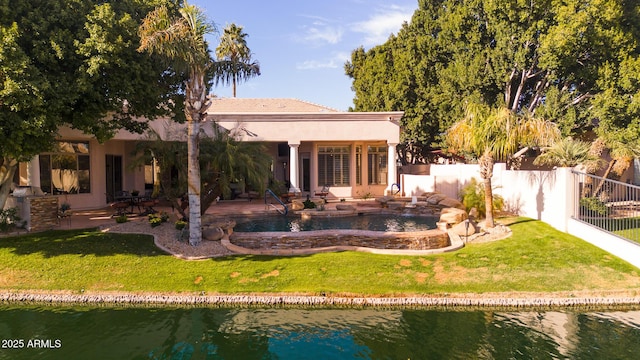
43	212
419	240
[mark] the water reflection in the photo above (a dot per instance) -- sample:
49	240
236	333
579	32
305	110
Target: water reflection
233	333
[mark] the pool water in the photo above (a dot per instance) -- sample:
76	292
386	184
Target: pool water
373	222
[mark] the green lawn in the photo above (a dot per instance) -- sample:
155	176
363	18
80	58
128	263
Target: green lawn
536	258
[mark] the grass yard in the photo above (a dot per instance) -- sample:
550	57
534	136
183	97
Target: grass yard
537	258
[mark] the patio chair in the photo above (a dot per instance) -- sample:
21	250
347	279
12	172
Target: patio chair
323	193
148	204
120	207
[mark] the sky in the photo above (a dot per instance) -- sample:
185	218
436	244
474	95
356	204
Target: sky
302	46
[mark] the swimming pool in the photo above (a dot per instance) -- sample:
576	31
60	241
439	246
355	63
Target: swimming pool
322	232
371	222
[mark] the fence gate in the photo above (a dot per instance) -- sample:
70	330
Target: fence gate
610	205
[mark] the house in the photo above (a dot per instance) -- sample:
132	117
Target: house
311	146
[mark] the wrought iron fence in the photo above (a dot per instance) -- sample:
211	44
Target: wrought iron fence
610	205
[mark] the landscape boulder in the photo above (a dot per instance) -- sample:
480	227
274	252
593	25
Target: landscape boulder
394	205
452	216
461	229
296	205
384	200
213	233
345	207
436	199
451	203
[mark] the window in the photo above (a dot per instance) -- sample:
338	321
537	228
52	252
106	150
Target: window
66	170
377	165
333	165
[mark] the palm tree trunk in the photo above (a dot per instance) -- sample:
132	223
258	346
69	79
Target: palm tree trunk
596	192
486	172
209	195
196	102
234	85
193	182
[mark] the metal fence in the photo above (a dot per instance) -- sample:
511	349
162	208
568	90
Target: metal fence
610	205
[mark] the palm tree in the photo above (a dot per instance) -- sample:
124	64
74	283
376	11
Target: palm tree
495	134
223	159
569	152
182	39
227	160
622	155
234	58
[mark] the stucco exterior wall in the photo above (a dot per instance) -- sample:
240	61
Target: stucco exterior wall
296	131
302	131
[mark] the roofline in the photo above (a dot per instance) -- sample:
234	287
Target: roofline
321	108
295	116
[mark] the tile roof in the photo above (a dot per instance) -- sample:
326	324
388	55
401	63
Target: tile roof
283	105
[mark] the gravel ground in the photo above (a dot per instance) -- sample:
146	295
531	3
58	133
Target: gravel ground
166	239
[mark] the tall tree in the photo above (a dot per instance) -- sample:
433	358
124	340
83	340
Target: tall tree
74	63
495	134
234	58
564	61
617	110
182	39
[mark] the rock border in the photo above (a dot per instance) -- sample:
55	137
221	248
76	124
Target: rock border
458	301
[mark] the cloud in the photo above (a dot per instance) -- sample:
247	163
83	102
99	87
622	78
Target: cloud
336	61
384	22
321	33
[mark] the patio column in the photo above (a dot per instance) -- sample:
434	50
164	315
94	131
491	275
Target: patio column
293	168
391	166
33	175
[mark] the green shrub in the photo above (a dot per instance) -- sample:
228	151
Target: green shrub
8	219
308	204
122	219
473	197
158	218
593	205
365	195
155	222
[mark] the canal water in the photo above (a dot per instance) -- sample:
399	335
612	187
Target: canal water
260	333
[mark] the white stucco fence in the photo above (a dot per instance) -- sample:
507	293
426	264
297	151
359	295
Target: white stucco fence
549	196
